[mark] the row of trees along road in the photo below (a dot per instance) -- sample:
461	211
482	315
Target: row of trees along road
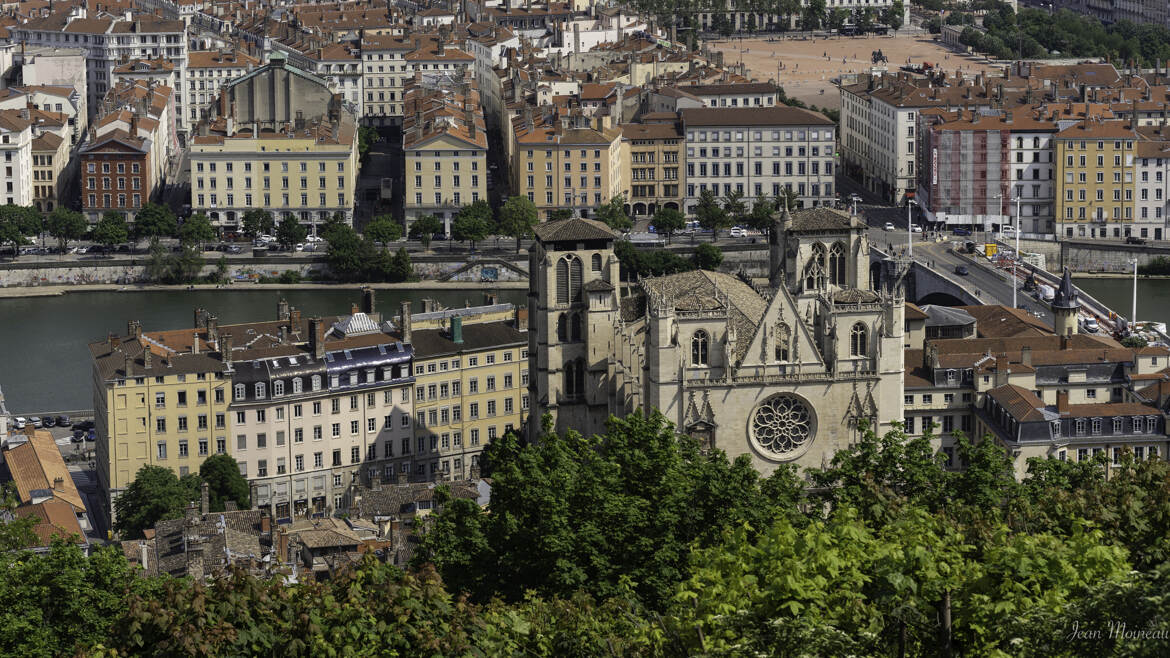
638	542
812	15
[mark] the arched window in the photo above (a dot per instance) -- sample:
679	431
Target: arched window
575	327
278	387
814	269
700	345
569	273
562	328
596	262
837	264
260	390
296	385
316	382
858	340
240	391
783	341
574	378
567	385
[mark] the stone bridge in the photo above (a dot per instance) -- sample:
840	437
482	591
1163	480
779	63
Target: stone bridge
922	284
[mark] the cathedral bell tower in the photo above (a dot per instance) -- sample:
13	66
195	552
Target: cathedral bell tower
1065	307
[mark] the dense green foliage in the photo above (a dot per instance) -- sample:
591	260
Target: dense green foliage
66	225
111	229
1156	266
352	257
638	543
156	494
384	229
473	222
224	482
518	216
425	226
196	229
290	232
258	221
613	213
155	221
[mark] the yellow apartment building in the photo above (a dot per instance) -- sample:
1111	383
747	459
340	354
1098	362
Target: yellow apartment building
444	142
471	384
572	162
653	162
1094	178
156	404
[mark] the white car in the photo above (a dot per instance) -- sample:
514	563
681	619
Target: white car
299	247
890	226
19	422
314	238
1090	325
35	421
737	232
915	228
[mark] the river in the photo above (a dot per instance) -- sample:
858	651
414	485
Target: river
44	354
1153	302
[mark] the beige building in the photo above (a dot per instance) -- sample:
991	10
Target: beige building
470	385
389	61
653	166
278	140
444	141
572	162
207	72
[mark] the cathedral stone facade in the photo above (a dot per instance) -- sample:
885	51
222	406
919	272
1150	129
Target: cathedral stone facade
781	372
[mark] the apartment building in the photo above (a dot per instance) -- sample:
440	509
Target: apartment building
734	94
208	71
110	42
471	385
384	73
50	98
444	140
341	66
566	161
16	138
279	140
116	172
1152	180
758	152
653	164
160	398
1095	179
52	168
65	68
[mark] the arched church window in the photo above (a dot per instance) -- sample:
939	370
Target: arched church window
569	274
783	342
575	327
562	327
858	340
700	345
563	281
576	274
814	268
837	264
596	262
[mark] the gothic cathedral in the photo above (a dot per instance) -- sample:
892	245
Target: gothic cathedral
781	372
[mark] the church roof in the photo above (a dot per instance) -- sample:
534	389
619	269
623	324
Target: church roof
855	296
573	229
1066	294
702	291
821	219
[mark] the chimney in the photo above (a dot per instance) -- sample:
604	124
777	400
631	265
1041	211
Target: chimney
143	552
204	498
212	328
516	320
457	330
490	298
1062	402
294	319
58	483
200	319
282	309
316	341
353	308
1026	355
469	119
368	301
195	341
129	367
146	357
225	351
134	329
284	334
404	322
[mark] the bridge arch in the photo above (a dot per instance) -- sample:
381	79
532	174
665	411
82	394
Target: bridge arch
940	299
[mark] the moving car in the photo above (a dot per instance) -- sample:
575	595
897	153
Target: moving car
737	232
1134	240
1089	325
961	231
915	228
890	226
961	270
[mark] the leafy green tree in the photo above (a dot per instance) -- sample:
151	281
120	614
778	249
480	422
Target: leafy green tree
111	229
224	482
734	207
423	227
257	221
18	532
892	15
708	257
558	214
367	137
814	13
613	213
710	214
186	265
196	230
400	267
156	494
155	221
348	255
1134	341
10	234
760	216
837	18
668	221
473	223
384	229
335	222
517	217
290	232
18	223
65	225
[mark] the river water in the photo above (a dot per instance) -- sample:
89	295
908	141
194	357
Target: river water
44	358
1153	296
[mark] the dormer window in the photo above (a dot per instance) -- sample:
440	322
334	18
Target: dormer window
1080	426
278	387
951	376
260	391
240	392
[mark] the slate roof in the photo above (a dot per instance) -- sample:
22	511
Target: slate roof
476	336
573	229
780	115
703	290
821	219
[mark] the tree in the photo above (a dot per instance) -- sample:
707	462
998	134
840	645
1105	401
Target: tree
335	222
224	482
400	267
16	533
17	223
155	221
760	216
367	137
348	254
1134	341
111	229
384	229
423	227
614	214
710	214
668	221
65	225
558	214
196	229
814	13
734	207
892	15
837	18
708	257
258	221
290	231
473	223
156	494
517	217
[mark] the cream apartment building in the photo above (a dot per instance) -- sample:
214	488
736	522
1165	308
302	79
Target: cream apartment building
572	162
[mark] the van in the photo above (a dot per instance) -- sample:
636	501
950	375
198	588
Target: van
1046	292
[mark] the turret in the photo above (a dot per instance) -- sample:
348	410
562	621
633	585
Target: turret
777	244
1065	306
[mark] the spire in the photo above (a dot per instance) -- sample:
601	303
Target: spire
1066	295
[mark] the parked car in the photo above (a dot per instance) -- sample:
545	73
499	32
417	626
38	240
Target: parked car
961	270
234	249
1090	326
19	422
91	435
961	231
314	238
1134	240
890	226
48	421
300	246
35	421
915	228
84	425
64	421
737	232
78	436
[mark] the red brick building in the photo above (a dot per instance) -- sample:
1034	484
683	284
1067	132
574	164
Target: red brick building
115	175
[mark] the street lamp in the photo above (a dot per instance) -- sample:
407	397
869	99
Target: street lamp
1133	309
910	227
1015	262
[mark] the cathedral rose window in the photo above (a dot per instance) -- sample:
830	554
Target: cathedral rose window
782	425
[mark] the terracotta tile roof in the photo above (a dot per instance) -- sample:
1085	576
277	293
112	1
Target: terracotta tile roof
37	464
1021	403
209	59
914	313
55	518
997	321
